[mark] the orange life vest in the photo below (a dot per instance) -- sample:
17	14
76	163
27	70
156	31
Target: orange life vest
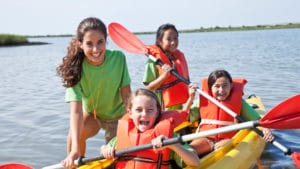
214	117
129	136
173	90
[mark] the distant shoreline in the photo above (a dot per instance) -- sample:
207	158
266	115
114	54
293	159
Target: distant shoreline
18	40
23	44
239	28
211	29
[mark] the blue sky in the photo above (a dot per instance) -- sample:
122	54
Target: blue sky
53	17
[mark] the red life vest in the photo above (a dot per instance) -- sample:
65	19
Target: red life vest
173	90
128	136
213	117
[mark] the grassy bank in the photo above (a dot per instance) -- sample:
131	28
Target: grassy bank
9	39
239	28
16	40
243	28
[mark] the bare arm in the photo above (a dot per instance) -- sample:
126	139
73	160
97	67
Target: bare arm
125	92
190	158
75	124
189	102
158	82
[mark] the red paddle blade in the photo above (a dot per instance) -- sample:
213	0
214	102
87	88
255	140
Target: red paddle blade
125	39
296	159
15	166
285	115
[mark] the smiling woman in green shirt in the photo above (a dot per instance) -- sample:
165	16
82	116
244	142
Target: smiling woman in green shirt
98	84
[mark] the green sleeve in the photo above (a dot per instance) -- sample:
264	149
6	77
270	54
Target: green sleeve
112	142
151	72
194	114
73	93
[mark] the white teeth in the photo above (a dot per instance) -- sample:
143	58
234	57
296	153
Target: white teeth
144	122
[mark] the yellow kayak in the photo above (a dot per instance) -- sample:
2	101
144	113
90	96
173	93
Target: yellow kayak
242	152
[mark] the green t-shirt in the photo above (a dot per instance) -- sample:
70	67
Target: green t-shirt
99	87
173	155
151	72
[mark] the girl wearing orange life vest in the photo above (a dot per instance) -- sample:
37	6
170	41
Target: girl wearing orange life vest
173	93
145	123
229	92
212	116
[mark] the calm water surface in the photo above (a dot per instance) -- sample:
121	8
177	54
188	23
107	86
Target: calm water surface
34	119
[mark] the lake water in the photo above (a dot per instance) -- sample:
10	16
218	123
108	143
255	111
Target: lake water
34	118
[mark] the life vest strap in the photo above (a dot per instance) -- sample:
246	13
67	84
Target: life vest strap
216	122
168	85
142	159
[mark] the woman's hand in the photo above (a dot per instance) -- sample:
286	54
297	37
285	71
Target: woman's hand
68	162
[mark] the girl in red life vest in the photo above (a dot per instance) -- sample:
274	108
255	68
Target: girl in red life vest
145	123
171	91
229	92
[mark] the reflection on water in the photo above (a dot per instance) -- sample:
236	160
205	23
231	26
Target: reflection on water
34	118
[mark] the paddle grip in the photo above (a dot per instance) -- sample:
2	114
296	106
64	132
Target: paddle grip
173	72
81	161
285	150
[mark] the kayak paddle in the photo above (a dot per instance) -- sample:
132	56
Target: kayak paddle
272	119
129	42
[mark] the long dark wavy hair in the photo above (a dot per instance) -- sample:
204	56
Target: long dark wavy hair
71	68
